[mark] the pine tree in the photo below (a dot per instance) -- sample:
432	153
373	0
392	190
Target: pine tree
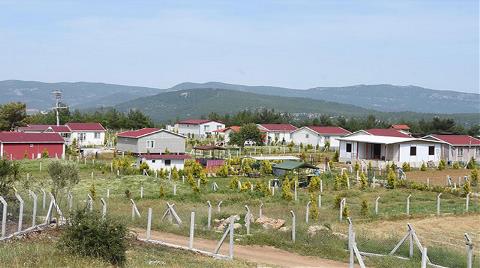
286	190
363	181
391	179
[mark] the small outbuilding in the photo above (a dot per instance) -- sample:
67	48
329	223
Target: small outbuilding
20	145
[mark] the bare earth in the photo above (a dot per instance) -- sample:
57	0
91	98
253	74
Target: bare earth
261	255
437	177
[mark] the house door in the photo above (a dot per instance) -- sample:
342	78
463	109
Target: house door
377	150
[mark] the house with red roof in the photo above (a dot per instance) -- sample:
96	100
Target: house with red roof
226	133
458	148
63	130
390	145
402	127
200	128
159	148
20	145
87	134
277	133
318	135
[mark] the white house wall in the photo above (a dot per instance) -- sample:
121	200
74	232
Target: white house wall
90	139
199	130
158	164
422	153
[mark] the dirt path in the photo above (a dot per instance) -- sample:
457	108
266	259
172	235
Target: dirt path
263	255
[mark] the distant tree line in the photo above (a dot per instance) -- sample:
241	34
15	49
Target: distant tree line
419	127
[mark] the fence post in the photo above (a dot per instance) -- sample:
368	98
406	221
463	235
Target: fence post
260	211
108	193
319	201
467	201
321	186
104	208
34	212
141	191
20	212
192	229
376	205
469	244
209	220
230	249
307	211
90	202
438	204
295	190
424	258
350	243
293	225
342	204
218	206
408	204
4	216
149	223
44	198
69	201
174	189
248	218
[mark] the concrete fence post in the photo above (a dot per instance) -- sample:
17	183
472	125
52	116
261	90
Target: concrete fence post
104	208
321	186
307	211
108	193
295	191
44	198
438	204
192	229
424	258
342	205
408	204
4	216
467	201
20	212
260	211
34	210
469	246
376	205
141	191
319	201
174	189
218	206
293	225
90	202
248	219
149	223
209	216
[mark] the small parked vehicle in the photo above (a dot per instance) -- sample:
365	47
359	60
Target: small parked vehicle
249	143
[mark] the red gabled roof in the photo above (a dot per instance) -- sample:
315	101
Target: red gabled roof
458	140
41	128
165	156
138	133
388	132
233	128
329	130
400	127
196	121
85	126
279	127
21	137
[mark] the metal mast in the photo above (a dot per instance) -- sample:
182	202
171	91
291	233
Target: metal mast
57	94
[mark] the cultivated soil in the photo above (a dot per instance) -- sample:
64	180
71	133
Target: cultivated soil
261	255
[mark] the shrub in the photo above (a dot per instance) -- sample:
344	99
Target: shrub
406	167
93	191
86	235
337	201
263	188
234	183
441	165
330	163
313	207
9	174
190	179
128	194
286	190
161	192
423	167
471	163
364	209
223	171
45	153
175	175
62	176
193	166
345	211
266	167
314	184
456	165
143	166
203	178
391	179
356	167
336	156
474	177
337	183
246	186
466	188
363	181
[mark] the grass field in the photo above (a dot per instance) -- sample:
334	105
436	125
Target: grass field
376	233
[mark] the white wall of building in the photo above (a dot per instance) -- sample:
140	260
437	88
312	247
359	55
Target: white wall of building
92	138
200	130
307	136
157	164
279	136
422	154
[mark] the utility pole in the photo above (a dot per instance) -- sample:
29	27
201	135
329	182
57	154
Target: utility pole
58	98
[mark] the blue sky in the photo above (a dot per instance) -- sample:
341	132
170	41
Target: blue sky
298	44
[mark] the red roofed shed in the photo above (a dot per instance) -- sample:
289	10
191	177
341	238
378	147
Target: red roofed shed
19	145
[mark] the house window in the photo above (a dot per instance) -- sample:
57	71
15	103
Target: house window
307	136
82	136
349	147
97	135
206	127
460	152
31	145
168	162
478	152
153	161
219	127
150	144
413	150
431	150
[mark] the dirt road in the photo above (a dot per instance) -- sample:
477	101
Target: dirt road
261	255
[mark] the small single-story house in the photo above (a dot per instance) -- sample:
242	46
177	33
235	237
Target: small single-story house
87	134
459	148
393	146
163	161
317	135
198	127
277	133
227	132
20	145
150	141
